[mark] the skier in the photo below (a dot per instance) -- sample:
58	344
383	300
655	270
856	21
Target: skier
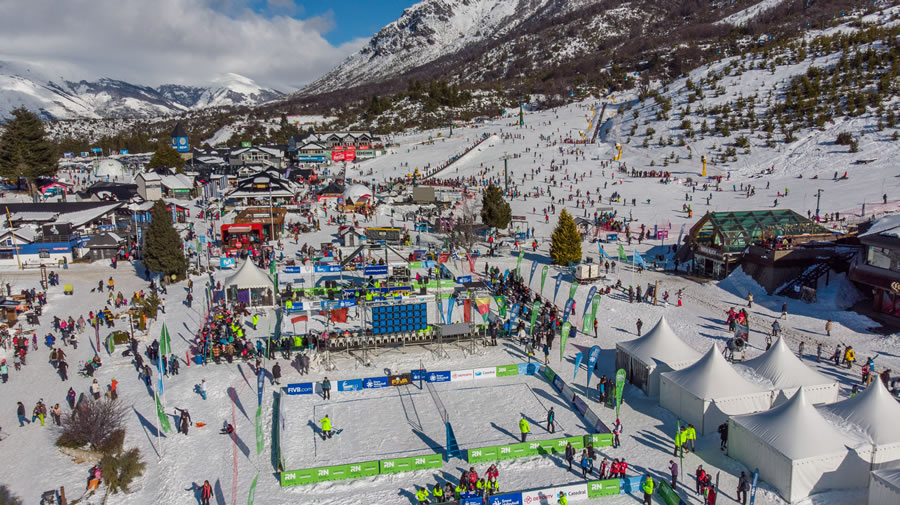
326	427
524	427
550	421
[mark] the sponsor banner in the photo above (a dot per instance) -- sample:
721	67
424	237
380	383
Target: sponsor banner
600	439
412	464
85	154
464	279
461	375
337	304
226	263
507	370
669	496
630	485
438	376
400	379
483	454
301	388
558	383
580	405
513	451
565	390
471	500
550	495
486	373
375	382
350	385
505	499
595	422
326	473
292	270
376	270
327	268
529	368
599	488
417	375
549	374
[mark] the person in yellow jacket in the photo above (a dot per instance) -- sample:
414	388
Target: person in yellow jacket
849	356
647	487
422	496
326	427
691	437
524	427
438	493
679	440
563	499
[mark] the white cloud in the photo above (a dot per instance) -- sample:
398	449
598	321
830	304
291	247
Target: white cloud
169	41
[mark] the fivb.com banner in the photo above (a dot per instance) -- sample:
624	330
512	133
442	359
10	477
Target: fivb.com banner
303	388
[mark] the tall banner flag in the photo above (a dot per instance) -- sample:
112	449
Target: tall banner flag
484	306
519	263
595	304
501	305
578	359
533	269
163	418
638	260
620	387
252	495
450	311
590	298
568	310
440	305
572	289
753	486
558	284
593	356
622	256
159	374
680	233
471	258
513	314
566	328
534	313
260	384
260	435
603	254
543	278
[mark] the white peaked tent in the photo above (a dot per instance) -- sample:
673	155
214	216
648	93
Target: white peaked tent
706	393
250	285
797	450
787	373
659	350
884	487
877	414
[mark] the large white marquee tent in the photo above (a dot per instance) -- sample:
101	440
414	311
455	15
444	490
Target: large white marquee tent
706	393
797	450
659	350
787	374
250	285
884	487
875	413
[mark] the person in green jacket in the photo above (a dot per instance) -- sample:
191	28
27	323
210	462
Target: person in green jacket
679	439
457	490
691	437
422	496
326	427
255	320
438	493
648	489
563	499
524	427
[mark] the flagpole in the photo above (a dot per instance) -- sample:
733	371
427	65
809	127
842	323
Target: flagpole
156	404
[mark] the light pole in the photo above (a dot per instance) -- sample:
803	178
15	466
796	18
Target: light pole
505	158
818	197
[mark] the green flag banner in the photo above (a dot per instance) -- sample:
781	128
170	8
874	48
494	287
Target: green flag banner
163	419
252	495
592	315
165	342
519	263
620	387
572	289
543	278
501	305
587	323
110	345
566	328
260	437
622	256
534	313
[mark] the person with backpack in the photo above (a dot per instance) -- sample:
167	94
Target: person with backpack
551	417
700	474
585	463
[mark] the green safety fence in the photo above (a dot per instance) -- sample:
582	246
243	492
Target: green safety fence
411	464
599	439
521	450
598	488
327	473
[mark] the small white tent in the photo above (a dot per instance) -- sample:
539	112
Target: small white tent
876	413
796	450
884	487
706	393
787	374
659	350
250	285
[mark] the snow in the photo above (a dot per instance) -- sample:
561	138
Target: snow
744	16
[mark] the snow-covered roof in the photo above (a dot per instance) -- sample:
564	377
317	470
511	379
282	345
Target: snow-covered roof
873	410
711	377
249	276
660	344
150	176
83	217
782	367
890	478
888	226
34	216
356	191
178	181
796	429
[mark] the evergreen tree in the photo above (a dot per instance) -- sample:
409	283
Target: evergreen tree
162	244
166	157
565	243
24	152
495	210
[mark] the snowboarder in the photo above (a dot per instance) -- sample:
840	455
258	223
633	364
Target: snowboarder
524	427
326	427
227	430
551	417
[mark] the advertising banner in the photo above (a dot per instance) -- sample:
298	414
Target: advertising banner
414	463
534	314
327	268
568	308
486	373
376	270
593	356
471	500
483	454
505	499
417	375
529	368
620	387
558	284
533	270
375	383
260	434
549	374
595	422
669	496
580	405
326	473
507	370
437	377
350	385
599	488
302	388
630	485
513	451
402	379
462	375
226	263
600	439
292	270
589	299
563	337
574	492
573	287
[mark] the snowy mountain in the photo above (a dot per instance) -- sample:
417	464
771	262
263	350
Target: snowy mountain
54	97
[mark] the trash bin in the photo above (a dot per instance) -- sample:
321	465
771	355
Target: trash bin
198	359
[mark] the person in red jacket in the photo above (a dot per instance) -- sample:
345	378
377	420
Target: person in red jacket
205	493
623	467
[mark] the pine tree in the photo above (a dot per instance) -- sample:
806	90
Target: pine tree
24	152
166	157
495	210
565	245
162	244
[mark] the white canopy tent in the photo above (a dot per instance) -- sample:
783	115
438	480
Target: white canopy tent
875	413
659	350
797	450
884	487
706	393
250	285
787	374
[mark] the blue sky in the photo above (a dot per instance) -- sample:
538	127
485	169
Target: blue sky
351	18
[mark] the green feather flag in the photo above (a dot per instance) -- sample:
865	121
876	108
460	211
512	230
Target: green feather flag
534	313
572	289
543	278
163	419
165	342
566	328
